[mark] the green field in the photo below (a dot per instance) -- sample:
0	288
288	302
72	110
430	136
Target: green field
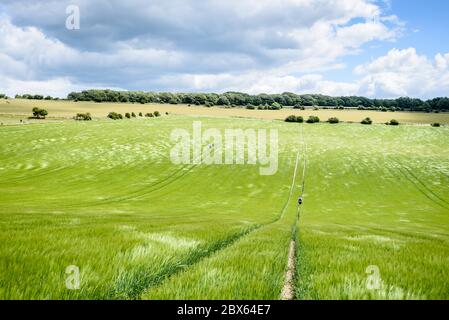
104	196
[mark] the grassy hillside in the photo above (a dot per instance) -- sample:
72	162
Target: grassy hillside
104	196
375	196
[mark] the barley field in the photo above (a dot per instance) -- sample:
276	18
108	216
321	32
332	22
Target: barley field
105	197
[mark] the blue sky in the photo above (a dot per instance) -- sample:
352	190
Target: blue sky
385	48
430	21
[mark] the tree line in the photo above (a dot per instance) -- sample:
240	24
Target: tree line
34	97
272	101
259	101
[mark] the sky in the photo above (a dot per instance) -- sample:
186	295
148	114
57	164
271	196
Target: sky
373	48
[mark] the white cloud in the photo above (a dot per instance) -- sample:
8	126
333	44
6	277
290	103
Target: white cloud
245	45
405	73
398	73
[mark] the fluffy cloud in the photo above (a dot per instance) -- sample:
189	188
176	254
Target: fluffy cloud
263	45
405	72
398	73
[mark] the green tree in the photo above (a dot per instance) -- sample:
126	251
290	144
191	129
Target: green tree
39	113
276	106
223	101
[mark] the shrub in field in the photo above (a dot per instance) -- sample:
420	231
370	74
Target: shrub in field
291	118
333	120
250	107
367	121
149	115
39	113
133	114
436	124
128	115
35	112
313	119
208	105
140	114
393	122
83	116
294	118
114	116
157	114
166	113
316	108
275	106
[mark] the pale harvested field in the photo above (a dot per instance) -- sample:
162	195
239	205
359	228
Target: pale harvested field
12	110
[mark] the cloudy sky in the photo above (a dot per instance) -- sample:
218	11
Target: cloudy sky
384	48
